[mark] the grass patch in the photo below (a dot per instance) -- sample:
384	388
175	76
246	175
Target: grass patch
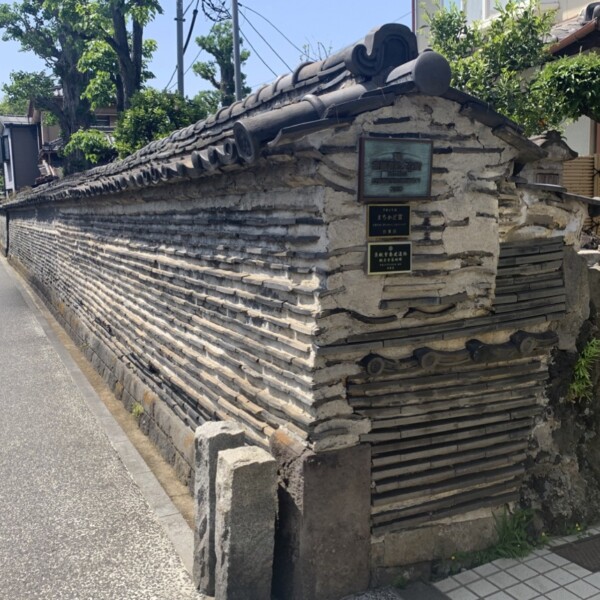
581	387
137	411
514	540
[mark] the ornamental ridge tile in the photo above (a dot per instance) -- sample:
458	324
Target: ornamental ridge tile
365	76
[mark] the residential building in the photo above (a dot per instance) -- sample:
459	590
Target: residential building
577	30
30	147
19	146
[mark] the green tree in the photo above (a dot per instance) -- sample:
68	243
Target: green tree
49	29
88	49
10	106
37	87
115	32
507	64
105	88
220	71
95	146
569	87
153	115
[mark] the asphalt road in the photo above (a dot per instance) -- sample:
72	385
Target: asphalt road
73	523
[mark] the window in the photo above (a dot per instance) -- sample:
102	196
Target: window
5	149
102	121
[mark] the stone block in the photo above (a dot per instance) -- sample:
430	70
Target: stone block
577	288
210	439
324	537
246	509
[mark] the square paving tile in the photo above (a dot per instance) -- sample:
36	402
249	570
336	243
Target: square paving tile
541	565
557	560
593	579
502	579
483	588
505	563
522	591
561	594
542	584
522	572
561	576
467	577
577	570
486	570
500	596
461	594
583	590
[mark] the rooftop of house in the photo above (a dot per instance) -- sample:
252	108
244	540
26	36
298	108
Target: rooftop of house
15	120
365	76
577	34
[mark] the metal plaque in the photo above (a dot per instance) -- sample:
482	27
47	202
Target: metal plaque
388	220
395	168
387	258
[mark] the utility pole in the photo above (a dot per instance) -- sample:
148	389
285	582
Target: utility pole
236	50
179	19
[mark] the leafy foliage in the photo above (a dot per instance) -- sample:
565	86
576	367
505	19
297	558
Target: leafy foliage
94	51
220	71
95	146
153	115
49	29
115	51
24	87
315	52
570	87
514	539
507	64
7	107
581	386
101	62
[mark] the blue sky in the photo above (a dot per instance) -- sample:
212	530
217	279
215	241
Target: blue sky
334	23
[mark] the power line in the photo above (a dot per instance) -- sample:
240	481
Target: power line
403	16
166	88
257	54
285	37
267	43
193	61
189	35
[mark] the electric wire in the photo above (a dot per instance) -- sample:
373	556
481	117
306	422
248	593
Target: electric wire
257	54
403	16
267	43
285	37
245	7
189	35
187	41
166	88
193	61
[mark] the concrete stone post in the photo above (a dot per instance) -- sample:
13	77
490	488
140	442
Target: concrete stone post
210	439
245	524
323	543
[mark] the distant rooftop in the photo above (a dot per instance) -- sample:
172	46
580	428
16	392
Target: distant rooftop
577	34
14	120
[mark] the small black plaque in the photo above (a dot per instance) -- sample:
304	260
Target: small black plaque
388	220
387	258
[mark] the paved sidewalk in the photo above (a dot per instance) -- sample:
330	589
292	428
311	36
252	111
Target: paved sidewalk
543	575
73	523
83	518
